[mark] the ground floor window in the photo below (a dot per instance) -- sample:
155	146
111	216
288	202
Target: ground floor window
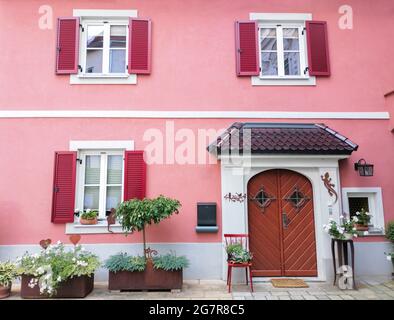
369	199
100	181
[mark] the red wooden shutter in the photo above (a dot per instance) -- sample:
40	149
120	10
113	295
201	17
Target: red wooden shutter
134	175
318	57
246	42
63	199
140	46
67	49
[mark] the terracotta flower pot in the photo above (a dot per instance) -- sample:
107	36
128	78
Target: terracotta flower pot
5	291
361	227
88	221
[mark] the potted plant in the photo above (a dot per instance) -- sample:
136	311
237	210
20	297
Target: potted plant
138	273
344	230
361	220
58	272
145	272
88	217
390	237
7	274
237	254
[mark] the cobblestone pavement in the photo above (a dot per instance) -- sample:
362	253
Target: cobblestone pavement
368	289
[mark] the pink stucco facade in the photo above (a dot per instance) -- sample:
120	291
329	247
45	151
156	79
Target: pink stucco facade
193	69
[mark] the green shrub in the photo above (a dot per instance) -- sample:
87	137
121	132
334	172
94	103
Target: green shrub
123	262
170	262
390	231
89	214
8	273
236	253
56	264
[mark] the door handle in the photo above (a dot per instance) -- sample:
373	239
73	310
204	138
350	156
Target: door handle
285	220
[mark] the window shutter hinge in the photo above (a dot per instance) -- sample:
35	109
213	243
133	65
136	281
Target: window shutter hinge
82	28
303	31
56	189
306	70
80	68
79	160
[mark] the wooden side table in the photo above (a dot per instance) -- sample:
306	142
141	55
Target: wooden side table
343	257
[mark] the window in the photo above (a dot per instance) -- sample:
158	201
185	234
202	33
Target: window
104	48
370	199
100	181
282	51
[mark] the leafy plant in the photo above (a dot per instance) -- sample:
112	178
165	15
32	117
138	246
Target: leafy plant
390	231
338	231
362	217
8	272
170	262
136	214
89	214
55	264
236	253
124	262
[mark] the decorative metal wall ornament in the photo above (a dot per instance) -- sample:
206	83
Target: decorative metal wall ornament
329	186
237	197
149	253
297	199
262	199
75	238
44	243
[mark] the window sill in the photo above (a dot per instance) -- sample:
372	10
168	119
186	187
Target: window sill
205	229
301	81
103	79
100	228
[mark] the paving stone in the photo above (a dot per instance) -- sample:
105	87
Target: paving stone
272	297
294	297
298	293
279	293
309	297
346	297
284	298
323	297
334	297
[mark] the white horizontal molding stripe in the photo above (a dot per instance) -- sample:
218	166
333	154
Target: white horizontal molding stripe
280	16
192	114
76	145
104	13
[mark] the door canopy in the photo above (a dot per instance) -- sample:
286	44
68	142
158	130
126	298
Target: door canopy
282	138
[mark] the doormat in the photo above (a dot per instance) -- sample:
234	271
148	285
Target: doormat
289	283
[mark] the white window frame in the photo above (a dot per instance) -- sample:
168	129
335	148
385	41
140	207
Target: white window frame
106	48
103	178
280	21
375	203
98	17
92	146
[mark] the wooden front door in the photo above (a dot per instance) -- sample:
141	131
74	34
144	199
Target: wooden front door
281	224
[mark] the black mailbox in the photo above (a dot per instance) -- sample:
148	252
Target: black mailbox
206	217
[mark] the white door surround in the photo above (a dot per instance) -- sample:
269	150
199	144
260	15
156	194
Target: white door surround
237	171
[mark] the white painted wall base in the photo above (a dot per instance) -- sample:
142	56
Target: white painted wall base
205	258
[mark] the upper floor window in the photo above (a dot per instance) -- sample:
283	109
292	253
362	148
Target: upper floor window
104	48
282	51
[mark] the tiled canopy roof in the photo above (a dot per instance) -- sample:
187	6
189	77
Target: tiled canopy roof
283	138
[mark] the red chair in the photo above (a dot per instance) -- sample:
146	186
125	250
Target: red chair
243	240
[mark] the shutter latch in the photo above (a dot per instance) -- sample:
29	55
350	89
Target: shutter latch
79	160
303	31
80	68
306	70
55	189
82	28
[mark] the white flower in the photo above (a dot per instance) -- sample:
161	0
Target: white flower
358	213
40	270
58	242
88	210
354	229
388	258
355	219
368	214
355	235
341	217
59	279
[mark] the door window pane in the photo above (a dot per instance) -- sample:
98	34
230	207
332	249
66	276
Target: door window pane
117	61
114	169
91	198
